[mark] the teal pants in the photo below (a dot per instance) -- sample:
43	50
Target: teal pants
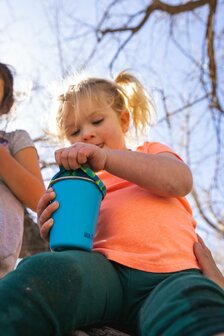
55	293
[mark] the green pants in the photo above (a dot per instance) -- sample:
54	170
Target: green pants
56	293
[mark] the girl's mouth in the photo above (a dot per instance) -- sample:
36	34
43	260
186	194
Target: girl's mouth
100	145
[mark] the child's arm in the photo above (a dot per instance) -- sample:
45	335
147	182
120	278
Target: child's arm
22	175
207	263
162	174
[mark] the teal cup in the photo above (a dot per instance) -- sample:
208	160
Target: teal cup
79	194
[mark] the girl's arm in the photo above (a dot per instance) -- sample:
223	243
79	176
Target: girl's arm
162	174
22	175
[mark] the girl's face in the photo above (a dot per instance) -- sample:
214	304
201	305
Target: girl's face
97	125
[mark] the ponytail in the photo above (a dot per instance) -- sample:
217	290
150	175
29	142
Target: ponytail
136	100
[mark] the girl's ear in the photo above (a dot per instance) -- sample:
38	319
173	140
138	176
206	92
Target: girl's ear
125	120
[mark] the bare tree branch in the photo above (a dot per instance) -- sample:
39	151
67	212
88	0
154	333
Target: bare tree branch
211	55
203	214
157	6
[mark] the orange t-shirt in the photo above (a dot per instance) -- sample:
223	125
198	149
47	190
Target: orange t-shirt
144	231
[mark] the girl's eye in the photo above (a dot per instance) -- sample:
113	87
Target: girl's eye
75	133
97	122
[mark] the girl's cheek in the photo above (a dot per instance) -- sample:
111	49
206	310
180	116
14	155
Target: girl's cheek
72	141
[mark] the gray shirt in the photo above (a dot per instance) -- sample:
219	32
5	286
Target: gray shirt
11	209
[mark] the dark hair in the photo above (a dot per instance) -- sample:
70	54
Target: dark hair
8	99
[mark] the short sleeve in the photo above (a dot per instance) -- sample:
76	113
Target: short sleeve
19	140
156	148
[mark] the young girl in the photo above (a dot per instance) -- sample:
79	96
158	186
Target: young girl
21	183
142	275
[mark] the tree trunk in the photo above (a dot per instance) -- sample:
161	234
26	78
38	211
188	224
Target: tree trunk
32	242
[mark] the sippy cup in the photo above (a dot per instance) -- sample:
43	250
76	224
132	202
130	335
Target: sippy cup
79	193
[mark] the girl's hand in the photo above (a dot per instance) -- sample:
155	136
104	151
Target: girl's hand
207	263
45	209
81	153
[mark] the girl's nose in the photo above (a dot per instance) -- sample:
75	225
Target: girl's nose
88	133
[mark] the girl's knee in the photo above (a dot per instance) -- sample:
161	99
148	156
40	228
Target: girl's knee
49	273
50	263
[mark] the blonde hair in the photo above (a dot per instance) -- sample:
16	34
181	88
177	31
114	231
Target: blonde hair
125	92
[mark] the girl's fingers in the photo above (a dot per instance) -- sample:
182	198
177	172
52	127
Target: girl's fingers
57	156
201	241
201	254
73	157
82	157
66	157
45	229
47	213
45	210
69	157
63	158
46	198
80	153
